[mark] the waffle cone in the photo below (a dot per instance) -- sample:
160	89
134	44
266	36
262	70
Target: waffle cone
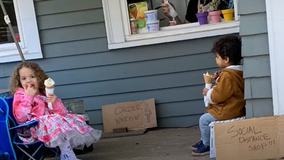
52	87
208	79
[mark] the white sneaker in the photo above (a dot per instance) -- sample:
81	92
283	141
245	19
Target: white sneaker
68	155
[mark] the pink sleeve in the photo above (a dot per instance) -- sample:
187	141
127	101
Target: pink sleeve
22	107
59	108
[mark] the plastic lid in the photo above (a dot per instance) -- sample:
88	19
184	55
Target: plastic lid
152	22
151	11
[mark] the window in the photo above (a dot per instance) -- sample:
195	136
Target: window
119	32
23	19
5	35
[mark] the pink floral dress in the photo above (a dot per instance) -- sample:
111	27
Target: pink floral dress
55	126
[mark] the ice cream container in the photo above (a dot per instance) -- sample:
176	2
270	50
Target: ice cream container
151	15
153	26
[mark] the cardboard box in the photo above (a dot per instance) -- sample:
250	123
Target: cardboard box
133	115
251	139
212	137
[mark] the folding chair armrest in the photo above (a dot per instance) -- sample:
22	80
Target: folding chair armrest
30	124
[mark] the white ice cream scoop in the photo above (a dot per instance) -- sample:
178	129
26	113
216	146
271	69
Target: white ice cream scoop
49	82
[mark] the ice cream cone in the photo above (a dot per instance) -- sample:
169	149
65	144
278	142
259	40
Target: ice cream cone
208	78
52	87
49	89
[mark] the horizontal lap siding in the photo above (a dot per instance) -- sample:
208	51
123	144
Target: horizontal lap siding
76	56
258	92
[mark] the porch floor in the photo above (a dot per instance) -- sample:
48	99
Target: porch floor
162	144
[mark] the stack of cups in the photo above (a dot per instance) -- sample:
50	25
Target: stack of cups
153	24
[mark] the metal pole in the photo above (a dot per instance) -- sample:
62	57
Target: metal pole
8	22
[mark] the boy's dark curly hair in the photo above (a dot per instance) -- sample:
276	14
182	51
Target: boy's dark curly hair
229	46
39	73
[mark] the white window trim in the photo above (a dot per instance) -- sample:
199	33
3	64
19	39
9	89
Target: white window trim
276	38
118	28
28	30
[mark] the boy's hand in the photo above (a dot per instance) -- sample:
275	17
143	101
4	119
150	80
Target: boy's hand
30	90
216	75
51	98
205	90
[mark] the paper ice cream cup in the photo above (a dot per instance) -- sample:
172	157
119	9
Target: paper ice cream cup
49	90
208	86
205	101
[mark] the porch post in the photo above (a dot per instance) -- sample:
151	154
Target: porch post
275	23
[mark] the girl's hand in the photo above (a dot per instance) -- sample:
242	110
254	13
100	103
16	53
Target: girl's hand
51	98
30	90
205	90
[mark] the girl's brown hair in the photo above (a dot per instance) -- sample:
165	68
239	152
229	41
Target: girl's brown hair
39	73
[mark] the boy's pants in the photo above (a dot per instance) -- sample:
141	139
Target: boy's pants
204	122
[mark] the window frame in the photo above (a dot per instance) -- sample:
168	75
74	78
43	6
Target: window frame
118	28
28	31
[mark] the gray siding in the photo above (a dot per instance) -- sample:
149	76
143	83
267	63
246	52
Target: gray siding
75	52
258	92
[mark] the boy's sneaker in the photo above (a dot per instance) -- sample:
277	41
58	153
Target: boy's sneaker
201	151
196	146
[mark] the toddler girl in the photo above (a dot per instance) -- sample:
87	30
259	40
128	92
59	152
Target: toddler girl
56	127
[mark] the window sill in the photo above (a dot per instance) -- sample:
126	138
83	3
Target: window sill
9	53
15	57
178	33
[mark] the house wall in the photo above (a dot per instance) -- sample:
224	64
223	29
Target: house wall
74	45
258	92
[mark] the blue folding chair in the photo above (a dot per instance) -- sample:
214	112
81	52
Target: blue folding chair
6	105
7	151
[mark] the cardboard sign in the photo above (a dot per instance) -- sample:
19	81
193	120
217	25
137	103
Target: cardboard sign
251	139
133	115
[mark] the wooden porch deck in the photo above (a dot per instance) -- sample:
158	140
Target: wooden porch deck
163	144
